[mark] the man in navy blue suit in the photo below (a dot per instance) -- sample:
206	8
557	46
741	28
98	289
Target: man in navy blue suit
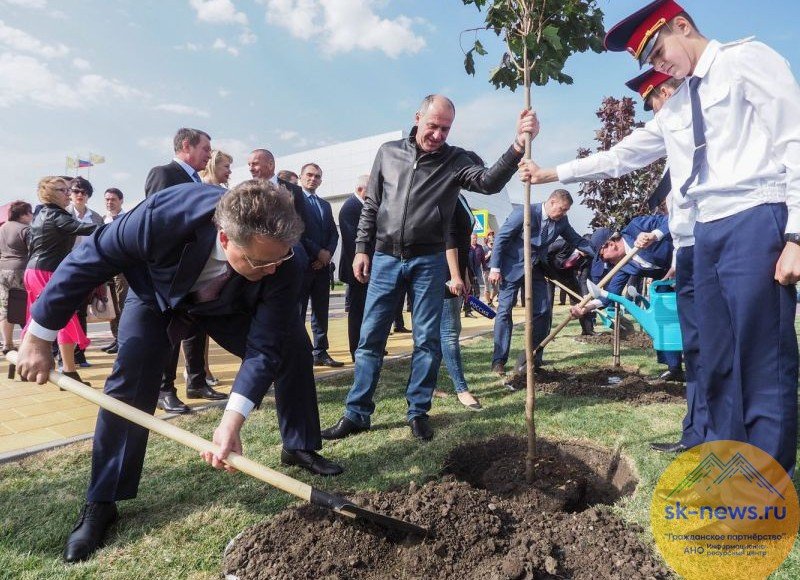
507	266
653	261
320	239
348	222
192	254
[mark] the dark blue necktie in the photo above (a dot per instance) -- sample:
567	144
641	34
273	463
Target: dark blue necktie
315	204
698	129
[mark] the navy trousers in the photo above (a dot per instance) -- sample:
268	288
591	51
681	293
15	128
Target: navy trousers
748	345
358	298
694	423
542	316
317	288
119	445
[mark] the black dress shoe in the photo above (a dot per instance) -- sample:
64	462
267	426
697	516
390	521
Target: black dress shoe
326	361
402	330
342	429
205	392
310	460
672	375
669	447
112	348
421	428
90	530
172	404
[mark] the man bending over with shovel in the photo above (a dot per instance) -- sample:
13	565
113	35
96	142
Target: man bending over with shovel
191	254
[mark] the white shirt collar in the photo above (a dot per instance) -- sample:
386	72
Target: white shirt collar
186	167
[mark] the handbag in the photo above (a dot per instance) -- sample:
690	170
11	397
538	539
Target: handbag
101	307
17	306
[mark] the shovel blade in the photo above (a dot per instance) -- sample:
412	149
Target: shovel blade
348	509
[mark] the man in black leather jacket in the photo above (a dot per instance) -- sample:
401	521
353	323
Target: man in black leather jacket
411	197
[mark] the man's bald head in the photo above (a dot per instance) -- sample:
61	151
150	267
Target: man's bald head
433	120
261	164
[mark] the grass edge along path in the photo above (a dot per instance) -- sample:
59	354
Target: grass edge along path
186	513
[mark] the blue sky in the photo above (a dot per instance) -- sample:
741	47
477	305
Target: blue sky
117	77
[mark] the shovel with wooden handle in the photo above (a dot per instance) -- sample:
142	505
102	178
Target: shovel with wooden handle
574	294
338	504
585	300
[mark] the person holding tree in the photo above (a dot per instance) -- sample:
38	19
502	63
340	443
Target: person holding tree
731	134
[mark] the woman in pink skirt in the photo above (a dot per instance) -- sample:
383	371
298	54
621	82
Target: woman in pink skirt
52	236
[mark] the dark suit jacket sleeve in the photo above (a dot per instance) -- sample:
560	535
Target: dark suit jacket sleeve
348	223
100	257
333	232
274	322
165	176
573	238
511	230
156	181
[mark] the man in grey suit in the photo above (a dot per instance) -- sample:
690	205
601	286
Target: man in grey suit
548	221
192	152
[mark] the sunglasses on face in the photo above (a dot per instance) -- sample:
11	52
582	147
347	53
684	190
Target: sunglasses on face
260	265
78	191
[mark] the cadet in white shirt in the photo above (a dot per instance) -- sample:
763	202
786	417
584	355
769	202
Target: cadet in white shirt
655	88
732	137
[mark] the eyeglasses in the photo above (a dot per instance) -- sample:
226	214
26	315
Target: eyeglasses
76	191
260	265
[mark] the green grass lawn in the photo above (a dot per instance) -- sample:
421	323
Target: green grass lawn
186	512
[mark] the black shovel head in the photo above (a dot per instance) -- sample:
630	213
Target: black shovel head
347	508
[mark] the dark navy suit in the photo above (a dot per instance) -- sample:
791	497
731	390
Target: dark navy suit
658	254
348	224
161	246
194	346
320	233
508	256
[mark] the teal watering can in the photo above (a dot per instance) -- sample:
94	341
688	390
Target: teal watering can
659	319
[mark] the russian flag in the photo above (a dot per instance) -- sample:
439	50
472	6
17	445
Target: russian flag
84	163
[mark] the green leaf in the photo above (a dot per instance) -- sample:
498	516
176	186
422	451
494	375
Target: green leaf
550	34
479	48
469	63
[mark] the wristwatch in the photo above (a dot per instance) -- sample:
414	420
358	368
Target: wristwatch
794	238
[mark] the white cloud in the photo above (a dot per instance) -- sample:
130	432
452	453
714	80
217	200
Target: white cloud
247	37
36	4
222	92
236	148
220	44
182	110
81	64
158	145
345	25
218	12
287	135
190	46
26	79
20	40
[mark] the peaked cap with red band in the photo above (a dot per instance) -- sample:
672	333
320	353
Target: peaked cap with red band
638	32
646	83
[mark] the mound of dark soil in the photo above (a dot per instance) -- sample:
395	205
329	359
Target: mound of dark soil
611	384
473	532
629	340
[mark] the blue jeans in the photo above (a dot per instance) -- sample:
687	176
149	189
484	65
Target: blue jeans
451	348
423	277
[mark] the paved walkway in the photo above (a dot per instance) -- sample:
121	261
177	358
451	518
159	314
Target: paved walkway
37	417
